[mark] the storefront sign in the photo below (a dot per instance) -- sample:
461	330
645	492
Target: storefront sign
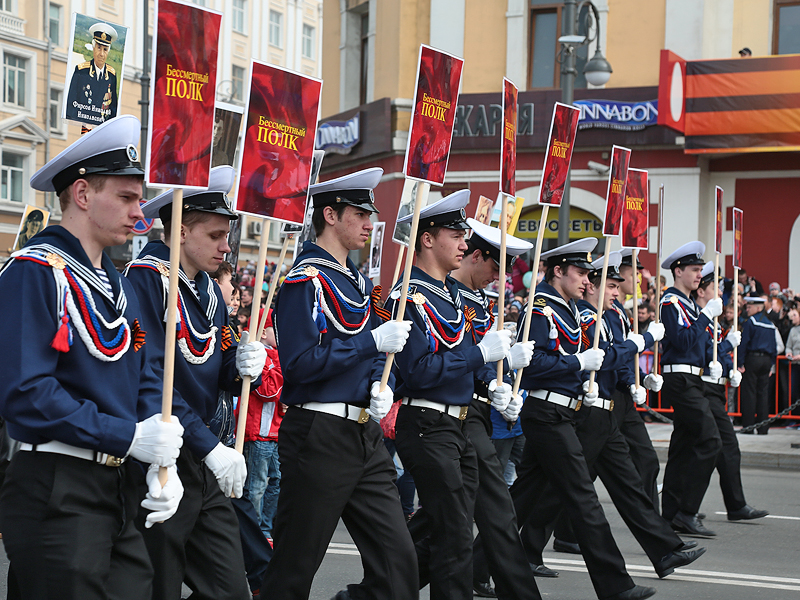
339	137
611	114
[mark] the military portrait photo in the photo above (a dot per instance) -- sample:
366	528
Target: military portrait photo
34	219
94	75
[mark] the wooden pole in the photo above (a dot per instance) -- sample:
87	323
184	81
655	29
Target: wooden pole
501	279
422	200
735	326
526	328
635	311
601	303
716	295
172	314
244	398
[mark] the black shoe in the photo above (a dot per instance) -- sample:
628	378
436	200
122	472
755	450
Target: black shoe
542	571
687	545
746	513
342	595
484	590
676	559
568	547
637	592
690	525
701	516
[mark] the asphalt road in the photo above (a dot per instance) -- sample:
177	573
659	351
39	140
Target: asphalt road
747	561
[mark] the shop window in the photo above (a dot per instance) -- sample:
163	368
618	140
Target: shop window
786	29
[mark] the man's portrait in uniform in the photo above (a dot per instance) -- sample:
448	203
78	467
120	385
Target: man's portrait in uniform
34	219
94	80
376	249
227	123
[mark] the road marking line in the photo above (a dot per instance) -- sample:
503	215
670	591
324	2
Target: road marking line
767	517
342	551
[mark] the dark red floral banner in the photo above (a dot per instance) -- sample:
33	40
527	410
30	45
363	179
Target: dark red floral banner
508	145
718	228
738	215
184	80
635	224
563	129
278	149
615	195
431	131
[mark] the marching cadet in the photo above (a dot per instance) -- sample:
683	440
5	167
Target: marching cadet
553	454
695	441
77	382
92	96
757	362
200	545
436	380
334	463
729	459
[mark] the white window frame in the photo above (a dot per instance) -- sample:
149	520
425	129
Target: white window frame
276	26
239	17
233	82
60	41
30	81
309	40
27	156
10	6
58	129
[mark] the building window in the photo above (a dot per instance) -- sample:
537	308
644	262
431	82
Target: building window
54	30
14	83
546	28
7	6
786	31
308	41
56	124
237	89
239	8
199	3
12	177
364	73
275	29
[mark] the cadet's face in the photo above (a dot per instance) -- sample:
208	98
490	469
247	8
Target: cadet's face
353	229
449	246
100	54
690	276
486	271
204	244
226	286
626	287
612	293
754	308
114	210
574	281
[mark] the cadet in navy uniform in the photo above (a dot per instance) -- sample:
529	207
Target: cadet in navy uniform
78	389
695	441
729	459
553	453
494	510
200	545
334	463
435	377
92	96
756	362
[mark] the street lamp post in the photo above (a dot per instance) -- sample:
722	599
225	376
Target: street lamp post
597	73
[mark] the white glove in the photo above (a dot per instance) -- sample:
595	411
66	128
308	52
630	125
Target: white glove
713	308
656	330
591	359
735	378
638	340
521	354
164	501
157	442
495	345
391	337
379	401
653	382
499	394
734	337
511	413
714	369
250	357
590	397
229	468
639	395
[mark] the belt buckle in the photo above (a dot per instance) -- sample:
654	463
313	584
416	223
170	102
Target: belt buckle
578	405
113	461
702	371
462	414
611	405
363	417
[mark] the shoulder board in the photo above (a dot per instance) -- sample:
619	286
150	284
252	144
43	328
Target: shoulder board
84	65
111	70
588	317
670	299
539	301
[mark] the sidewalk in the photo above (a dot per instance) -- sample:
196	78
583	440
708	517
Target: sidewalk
773	450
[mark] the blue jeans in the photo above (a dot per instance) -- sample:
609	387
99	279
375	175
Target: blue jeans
263	480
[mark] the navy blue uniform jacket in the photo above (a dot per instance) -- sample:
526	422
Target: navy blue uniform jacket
685	332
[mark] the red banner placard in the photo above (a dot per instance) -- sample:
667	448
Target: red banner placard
431	130
718	228
184	80
563	129
278	148
508	143
738	215
635	224
615	195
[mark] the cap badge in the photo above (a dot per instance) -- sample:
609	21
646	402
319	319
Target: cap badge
163	269
463	214
418	298
133	154
310	271
55	261
588	257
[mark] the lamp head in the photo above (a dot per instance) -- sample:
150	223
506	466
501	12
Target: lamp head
598	70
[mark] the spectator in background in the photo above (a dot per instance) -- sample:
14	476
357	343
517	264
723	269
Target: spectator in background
645	316
518	270
233	308
745	53
247	297
752	287
793	352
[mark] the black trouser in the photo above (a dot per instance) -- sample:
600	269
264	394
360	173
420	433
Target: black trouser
256	550
442	461
755	390
553	454
693	447
199	545
606	453
335	468
729	460
641	449
68	529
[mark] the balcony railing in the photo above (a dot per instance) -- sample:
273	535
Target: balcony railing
11	23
